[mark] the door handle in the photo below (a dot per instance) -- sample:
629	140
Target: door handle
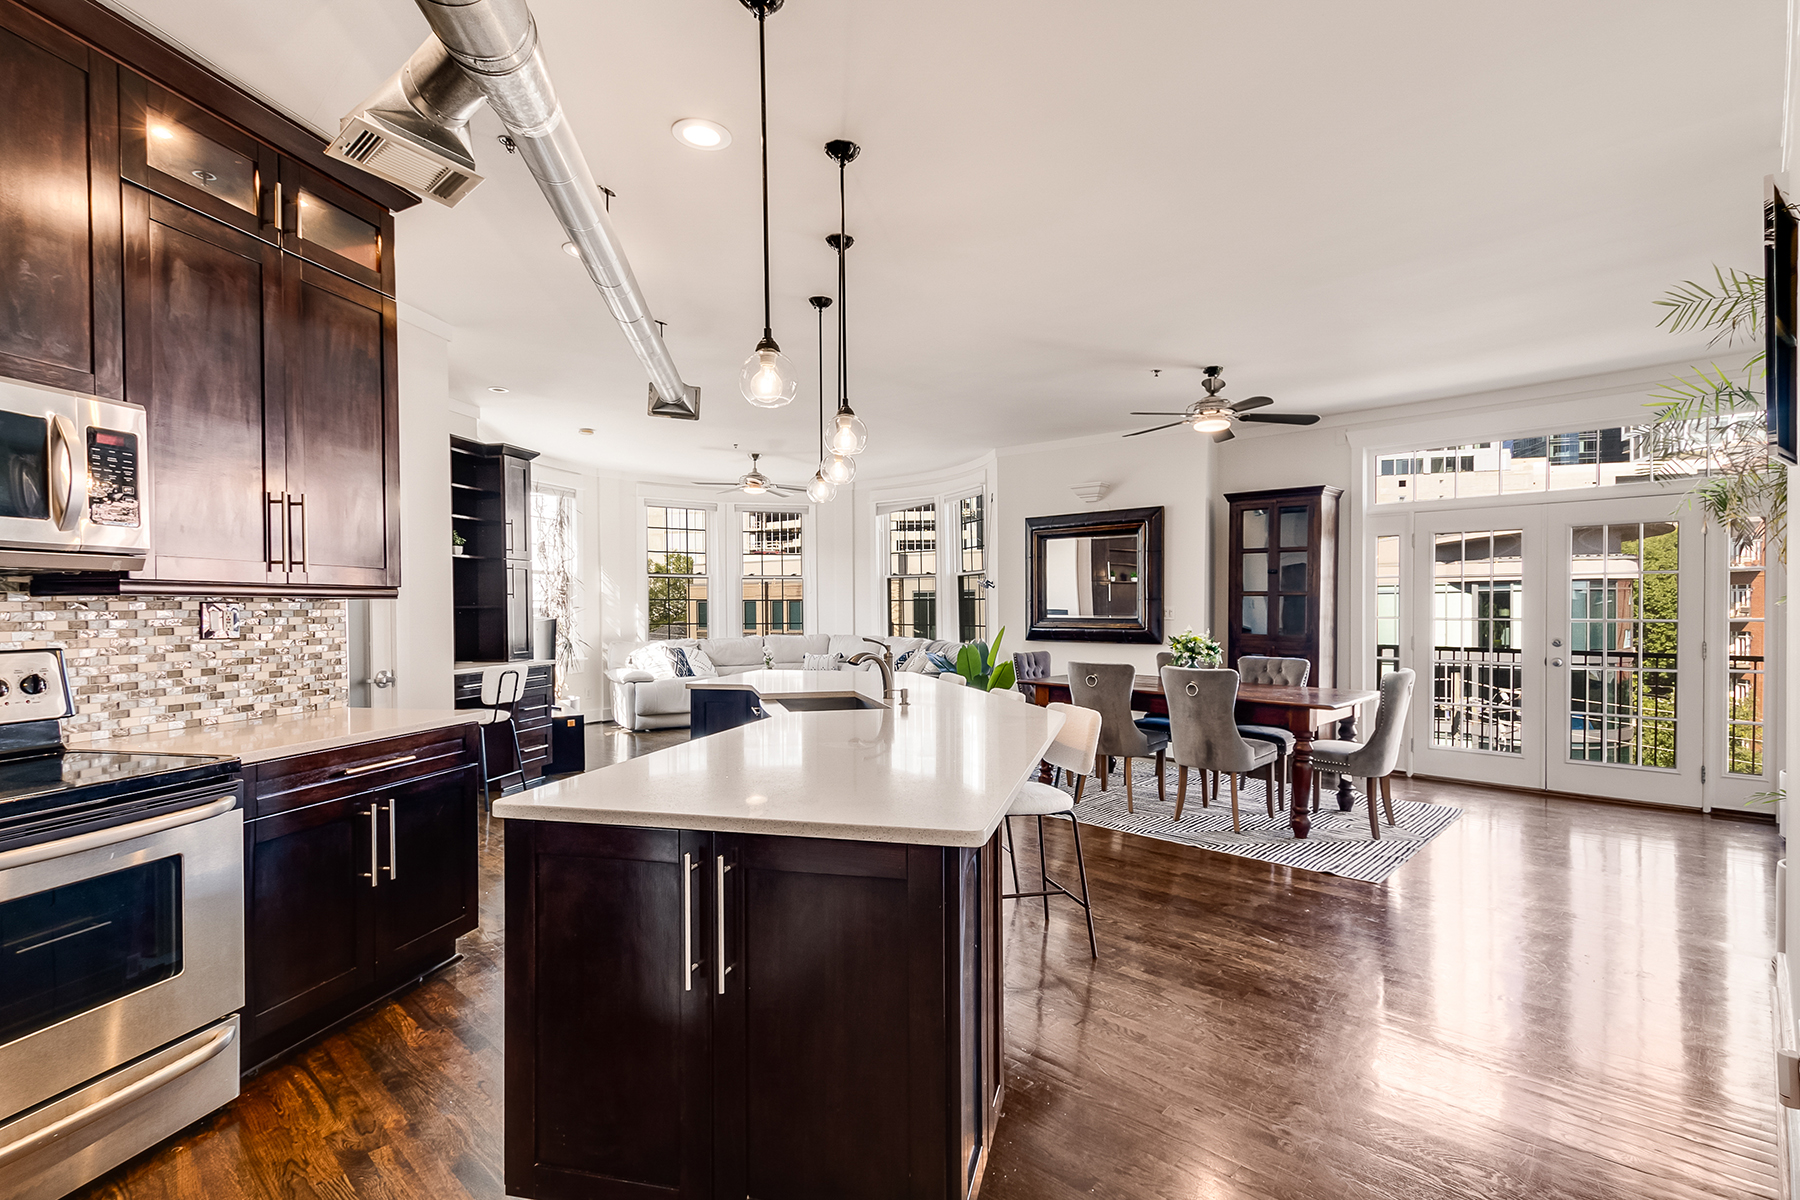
373	875
1556	662
688	866
274	514
297	545
383	679
393	807
723	969
66	501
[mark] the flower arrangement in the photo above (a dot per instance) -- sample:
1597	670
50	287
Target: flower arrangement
1192	649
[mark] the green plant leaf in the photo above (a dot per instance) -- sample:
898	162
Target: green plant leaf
968	663
1003	678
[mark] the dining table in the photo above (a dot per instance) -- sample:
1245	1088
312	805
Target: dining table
1306	712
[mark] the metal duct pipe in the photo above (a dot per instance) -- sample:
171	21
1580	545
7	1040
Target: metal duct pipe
496	43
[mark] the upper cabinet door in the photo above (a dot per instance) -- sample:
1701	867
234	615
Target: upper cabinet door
176	150
342	431
202	357
335	228
60	312
518	507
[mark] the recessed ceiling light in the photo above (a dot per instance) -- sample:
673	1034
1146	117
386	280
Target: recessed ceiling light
571	249
499	390
163	132
701	134
585	432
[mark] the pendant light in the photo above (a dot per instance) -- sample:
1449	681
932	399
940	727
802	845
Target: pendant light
847	436
768	379
821	489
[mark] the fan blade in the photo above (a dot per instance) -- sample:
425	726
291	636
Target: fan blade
1252	402
713	482
1223	435
1281	418
1154	428
729	490
1183	413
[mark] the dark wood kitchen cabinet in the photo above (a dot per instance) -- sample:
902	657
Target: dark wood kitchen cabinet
61	307
531	720
1282	567
766	1016
490	506
360	874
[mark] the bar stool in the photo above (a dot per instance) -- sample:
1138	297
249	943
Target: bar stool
1076	744
501	687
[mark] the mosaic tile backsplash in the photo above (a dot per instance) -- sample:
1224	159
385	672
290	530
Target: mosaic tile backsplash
139	665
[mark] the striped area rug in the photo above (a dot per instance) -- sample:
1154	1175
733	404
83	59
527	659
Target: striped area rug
1339	843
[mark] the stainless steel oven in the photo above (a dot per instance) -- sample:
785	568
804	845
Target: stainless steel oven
73	481
121	945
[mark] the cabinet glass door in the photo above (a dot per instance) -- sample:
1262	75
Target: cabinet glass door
171	148
1254	524
200	162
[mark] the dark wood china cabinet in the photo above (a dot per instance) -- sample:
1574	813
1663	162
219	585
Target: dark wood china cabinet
1282	568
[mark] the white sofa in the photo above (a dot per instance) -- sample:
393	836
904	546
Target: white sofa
641	701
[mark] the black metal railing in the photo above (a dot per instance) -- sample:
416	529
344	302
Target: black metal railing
1477	699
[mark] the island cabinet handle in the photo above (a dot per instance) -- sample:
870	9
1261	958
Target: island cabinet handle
380	766
723	969
374	873
393	841
687	922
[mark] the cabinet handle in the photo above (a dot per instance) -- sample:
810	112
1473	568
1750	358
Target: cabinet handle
509	535
723	969
374	873
380	766
299	554
393	842
687	922
275	529
278	206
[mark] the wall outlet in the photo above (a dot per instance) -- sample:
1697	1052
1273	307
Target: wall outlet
221	622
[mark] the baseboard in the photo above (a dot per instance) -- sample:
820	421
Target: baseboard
1728	813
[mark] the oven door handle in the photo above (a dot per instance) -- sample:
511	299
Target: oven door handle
192	1060
26	855
67	502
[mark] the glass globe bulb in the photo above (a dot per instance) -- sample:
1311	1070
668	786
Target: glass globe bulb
820	489
838	468
847	435
768	379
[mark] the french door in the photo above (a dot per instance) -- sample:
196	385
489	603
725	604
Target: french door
1598	647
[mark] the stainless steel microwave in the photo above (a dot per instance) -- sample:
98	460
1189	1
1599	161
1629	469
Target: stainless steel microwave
74	493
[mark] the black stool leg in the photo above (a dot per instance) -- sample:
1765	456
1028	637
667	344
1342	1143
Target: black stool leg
1043	871
1012	854
1086	906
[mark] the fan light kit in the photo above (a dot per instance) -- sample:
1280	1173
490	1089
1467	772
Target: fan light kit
701	134
768	379
1216	416
752	483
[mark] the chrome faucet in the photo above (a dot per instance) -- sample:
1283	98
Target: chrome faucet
884	660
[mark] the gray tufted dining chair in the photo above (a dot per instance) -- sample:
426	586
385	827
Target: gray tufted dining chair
1275	672
1106	688
1375	759
1204	735
1027	665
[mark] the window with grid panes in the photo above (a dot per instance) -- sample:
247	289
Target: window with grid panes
971	579
676	538
912	571
772	565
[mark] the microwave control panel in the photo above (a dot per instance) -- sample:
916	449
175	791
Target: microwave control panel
33	686
113	477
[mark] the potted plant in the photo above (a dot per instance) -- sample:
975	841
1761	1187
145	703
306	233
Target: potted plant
1192	649
980	667
457	542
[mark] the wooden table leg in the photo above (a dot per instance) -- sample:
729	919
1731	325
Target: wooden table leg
1346	797
1300	811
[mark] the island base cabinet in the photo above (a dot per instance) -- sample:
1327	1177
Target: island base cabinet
701	1014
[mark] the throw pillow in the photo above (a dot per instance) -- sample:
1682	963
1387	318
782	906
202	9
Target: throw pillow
679	660
654	659
915	661
820	662
943	662
700	664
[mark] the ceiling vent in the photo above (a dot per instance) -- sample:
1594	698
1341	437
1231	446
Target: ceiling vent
382	149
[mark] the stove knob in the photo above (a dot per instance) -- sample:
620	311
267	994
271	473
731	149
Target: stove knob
32	685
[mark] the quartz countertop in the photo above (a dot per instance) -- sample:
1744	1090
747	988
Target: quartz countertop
282	737
937	772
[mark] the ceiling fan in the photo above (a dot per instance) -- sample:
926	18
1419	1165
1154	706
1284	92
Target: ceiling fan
752	483
1215	416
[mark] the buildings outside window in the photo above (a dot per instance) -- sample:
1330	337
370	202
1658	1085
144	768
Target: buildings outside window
772	562
912	571
678	572
972	580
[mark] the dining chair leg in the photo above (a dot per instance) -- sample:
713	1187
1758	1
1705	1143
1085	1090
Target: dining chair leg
1387	797
1101	763
1181	789
1209	789
1374	819
1087	905
1128	807
1269	789
1011	853
1162	788
1043	872
1235	827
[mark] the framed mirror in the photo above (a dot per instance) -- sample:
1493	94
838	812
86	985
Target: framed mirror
1096	576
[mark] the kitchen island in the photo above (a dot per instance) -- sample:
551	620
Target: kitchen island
766	962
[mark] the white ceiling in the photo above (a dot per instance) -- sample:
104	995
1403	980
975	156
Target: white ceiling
1345	205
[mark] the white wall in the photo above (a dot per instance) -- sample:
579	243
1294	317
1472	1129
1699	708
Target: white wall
1176	470
424	617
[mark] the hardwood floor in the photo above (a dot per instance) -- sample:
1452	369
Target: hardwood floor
1556	999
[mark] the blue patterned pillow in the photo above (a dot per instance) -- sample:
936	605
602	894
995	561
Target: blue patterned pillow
942	662
679	660
900	662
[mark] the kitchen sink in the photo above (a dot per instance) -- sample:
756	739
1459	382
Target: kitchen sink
827	703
